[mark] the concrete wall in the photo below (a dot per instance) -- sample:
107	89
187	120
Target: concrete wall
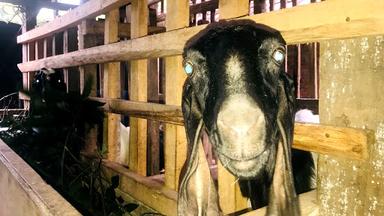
24	192
351	94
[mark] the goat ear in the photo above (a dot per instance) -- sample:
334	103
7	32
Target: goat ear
283	199
197	191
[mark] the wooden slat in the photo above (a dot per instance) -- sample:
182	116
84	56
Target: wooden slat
144	189
42	4
112	87
230	198
65	50
175	139
164	44
325	139
232	9
309	205
72	18
308	23
97	27
204	6
338	141
88	73
138	91
158	112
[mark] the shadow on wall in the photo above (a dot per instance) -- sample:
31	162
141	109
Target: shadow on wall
10	56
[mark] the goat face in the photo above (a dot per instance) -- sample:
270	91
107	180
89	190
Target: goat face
237	91
233	75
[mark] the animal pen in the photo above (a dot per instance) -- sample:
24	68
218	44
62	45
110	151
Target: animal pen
133	56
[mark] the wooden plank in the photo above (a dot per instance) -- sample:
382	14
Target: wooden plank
138	91
231	9
88	73
308	23
42	4
230	198
154	149
94	27
112	87
324	139
144	189
72	18
204	6
153	111
175	139
65	50
145	47
226	189
344	142
28	23
308	205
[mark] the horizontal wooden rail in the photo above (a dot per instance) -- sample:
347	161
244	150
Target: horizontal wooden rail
43	4
159	112
89	9
97	28
204	6
164	44
339	141
309	205
308	23
144	189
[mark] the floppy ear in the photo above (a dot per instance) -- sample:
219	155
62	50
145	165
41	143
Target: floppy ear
283	199
197	192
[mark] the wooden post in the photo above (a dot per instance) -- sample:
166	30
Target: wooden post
73	72
138	91
153	126
175	139
112	87
65	50
231	9
28	24
88	73
230	196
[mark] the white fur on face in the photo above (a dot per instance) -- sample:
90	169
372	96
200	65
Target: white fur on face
234	70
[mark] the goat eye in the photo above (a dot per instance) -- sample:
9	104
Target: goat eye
188	68
279	55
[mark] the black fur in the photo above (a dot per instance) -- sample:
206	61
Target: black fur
266	85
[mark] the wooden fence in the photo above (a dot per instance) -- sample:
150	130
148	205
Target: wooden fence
128	37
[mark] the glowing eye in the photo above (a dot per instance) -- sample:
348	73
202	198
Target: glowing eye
279	55
188	68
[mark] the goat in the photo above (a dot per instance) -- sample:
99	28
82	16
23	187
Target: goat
237	91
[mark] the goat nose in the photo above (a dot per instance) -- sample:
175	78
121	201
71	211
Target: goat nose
241	126
237	123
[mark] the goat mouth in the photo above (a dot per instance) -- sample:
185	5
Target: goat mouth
247	167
